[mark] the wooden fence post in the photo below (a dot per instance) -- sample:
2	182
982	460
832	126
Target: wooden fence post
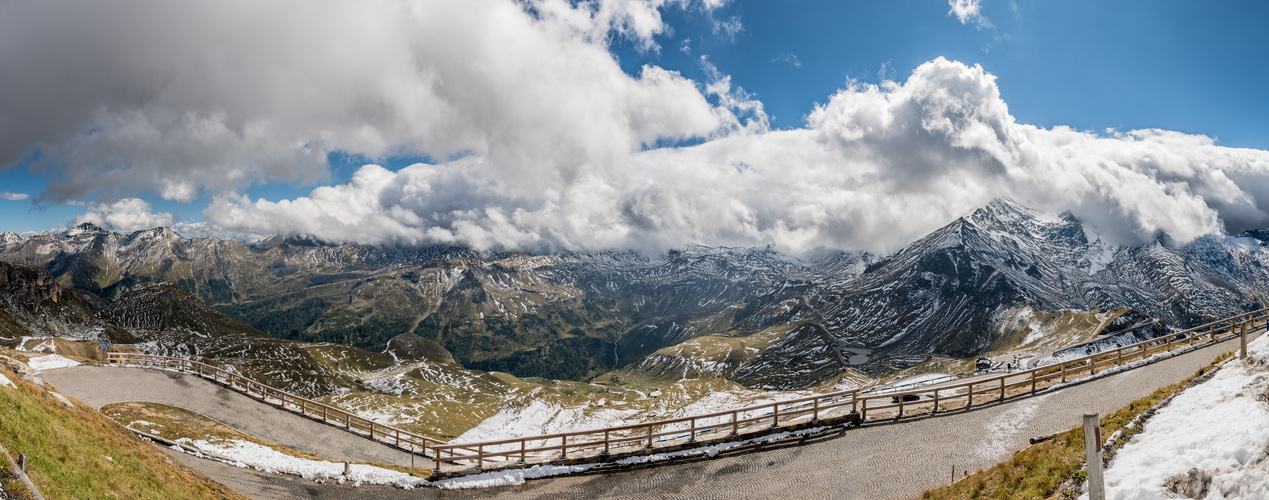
1242	341
1093	455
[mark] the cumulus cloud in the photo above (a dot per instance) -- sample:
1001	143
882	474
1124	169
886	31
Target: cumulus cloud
5	195
212	95
968	11
126	215
875	167
557	147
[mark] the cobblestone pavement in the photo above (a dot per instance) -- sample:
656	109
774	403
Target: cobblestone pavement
880	461
101	385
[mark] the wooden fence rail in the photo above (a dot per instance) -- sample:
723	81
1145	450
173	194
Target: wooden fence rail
327	413
675	431
726	425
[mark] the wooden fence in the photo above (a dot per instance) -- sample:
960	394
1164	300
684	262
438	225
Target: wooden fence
330	414
731	424
727	425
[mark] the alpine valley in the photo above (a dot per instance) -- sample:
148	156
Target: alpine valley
441	339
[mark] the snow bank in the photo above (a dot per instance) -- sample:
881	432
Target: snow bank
1219	429
248	454
518	476
4	381
50	362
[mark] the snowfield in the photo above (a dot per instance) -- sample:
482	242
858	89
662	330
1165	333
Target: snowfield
50	362
518	476
264	458
1210	442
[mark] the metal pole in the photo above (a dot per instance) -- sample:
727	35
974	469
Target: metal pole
1093	455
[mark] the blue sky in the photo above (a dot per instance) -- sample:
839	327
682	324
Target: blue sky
1189	67
1090	65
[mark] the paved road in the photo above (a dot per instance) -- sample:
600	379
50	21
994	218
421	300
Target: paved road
100	385
875	462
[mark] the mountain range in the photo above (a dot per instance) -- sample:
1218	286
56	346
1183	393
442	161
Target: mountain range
1005	278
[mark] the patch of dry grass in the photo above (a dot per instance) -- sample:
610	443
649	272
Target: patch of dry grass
78	453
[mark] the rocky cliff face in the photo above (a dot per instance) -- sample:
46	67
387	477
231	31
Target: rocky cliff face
27	287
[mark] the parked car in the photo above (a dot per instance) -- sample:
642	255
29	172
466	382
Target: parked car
982	364
906	398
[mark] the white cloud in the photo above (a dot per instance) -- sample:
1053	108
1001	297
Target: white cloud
743	105
875	167
126	215
968	11
5	195
214	95
788	58
202	229
728	28
559	146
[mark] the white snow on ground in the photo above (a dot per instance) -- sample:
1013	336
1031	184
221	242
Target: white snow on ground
1219	427
50	362
36	344
538	417
259	457
4	381
910	383
518	476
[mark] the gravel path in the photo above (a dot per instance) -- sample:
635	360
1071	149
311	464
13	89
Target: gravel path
100	385
876	462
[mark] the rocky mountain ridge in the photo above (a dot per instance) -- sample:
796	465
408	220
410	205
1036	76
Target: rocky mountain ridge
995	279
